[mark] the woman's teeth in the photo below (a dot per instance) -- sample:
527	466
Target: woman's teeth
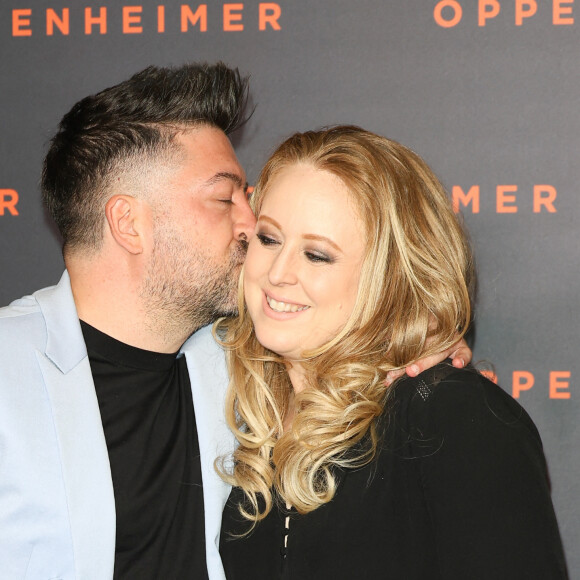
284	306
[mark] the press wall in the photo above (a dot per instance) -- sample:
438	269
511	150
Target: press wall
487	91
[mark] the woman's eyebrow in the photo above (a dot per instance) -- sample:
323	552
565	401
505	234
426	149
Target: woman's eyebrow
314	237
270	220
322	239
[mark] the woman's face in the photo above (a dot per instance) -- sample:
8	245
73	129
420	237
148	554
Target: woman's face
304	261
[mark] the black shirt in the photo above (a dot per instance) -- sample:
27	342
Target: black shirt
149	425
458	491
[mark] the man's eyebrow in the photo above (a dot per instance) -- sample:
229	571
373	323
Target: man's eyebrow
226	175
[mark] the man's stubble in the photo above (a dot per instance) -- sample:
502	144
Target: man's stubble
186	288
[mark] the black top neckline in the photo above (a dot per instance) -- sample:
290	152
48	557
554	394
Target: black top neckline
124	354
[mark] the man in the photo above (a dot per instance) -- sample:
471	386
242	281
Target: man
111	389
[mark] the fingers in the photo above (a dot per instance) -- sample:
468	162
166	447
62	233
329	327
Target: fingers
416	368
459	353
426	363
393	375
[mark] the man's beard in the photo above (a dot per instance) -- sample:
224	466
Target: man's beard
185	290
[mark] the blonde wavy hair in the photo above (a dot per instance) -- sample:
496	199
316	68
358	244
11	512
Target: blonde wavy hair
413	300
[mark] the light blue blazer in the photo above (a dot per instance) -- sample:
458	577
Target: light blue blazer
57	509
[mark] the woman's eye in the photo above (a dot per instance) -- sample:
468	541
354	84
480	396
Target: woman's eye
266	240
318	258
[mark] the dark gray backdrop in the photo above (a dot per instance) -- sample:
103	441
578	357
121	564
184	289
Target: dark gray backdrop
486	102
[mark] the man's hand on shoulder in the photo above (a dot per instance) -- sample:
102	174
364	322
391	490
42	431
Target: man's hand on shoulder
460	355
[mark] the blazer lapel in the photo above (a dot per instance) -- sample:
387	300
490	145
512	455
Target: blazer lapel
84	457
208	375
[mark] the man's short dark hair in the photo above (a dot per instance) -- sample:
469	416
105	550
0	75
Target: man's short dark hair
137	118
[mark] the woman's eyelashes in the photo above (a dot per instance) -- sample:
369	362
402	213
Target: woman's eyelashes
266	239
318	257
314	256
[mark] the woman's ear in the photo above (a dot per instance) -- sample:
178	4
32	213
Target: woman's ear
126	222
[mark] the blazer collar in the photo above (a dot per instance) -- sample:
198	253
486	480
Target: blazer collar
209	380
84	464
65	345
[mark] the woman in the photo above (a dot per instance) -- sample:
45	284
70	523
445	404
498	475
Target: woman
359	266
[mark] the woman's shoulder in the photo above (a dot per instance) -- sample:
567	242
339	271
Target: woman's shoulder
445	399
474	458
442	377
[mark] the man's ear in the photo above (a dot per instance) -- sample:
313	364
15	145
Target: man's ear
126	222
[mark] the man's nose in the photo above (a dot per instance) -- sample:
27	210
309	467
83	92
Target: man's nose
244	221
